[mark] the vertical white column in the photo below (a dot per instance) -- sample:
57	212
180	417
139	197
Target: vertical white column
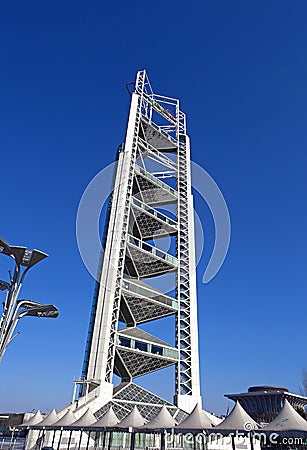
183	400
105	304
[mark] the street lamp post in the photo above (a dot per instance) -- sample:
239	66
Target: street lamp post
14	309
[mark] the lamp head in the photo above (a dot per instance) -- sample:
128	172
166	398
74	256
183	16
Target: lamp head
22	255
36	309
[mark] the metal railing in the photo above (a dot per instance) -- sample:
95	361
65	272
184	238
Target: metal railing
154	349
160	129
12	443
153	250
155	180
150	294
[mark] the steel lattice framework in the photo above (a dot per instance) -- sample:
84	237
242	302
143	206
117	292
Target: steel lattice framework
153	170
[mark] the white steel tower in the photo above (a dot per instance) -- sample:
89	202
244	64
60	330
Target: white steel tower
153	170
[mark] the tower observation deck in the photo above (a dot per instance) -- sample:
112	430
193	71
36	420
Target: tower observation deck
151	200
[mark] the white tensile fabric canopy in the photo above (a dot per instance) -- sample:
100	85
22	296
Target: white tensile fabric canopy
109	419
86	420
197	420
34	420
163	420
50	419
238	419
134	419
287	419
68	419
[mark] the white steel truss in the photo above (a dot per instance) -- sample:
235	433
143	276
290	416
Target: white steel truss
156	134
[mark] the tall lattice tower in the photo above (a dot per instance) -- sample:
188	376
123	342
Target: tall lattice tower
153	170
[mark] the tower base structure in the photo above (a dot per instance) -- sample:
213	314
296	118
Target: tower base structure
124	397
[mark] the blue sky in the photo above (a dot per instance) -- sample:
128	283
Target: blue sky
240	71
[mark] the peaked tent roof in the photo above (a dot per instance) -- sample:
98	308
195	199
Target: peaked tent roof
50	419
134	419
198	419
109	419
34	420
287	419
162	420
238	419
68	419
87	419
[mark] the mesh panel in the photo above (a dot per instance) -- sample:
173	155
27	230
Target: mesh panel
150	193
149	226
127	396
145	263
180	416
133	392
138	363
144	311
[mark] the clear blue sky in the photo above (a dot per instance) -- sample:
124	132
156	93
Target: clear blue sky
239	68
